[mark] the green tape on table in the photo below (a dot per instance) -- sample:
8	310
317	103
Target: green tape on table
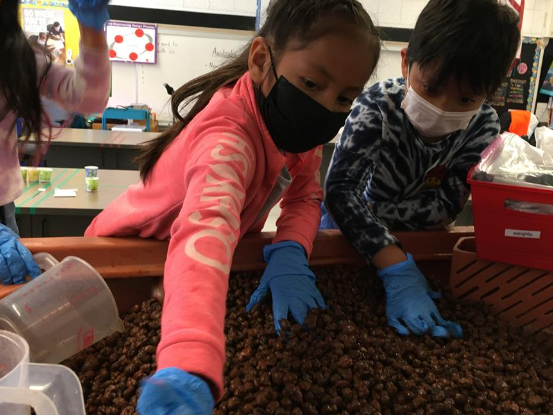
50	193
27	188
58	175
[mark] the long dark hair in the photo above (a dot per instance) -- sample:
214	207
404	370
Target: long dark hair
286	20
20	82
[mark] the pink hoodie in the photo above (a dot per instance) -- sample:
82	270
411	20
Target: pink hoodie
205	192
84	90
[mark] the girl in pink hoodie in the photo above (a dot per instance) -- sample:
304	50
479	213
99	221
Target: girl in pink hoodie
251	137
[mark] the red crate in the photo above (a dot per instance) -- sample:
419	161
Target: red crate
510	236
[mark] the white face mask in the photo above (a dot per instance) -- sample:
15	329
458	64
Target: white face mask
431	121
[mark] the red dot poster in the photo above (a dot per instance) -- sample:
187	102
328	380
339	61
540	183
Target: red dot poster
132	42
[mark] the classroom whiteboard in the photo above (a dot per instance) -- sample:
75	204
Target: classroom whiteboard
389	65
182	56
234	7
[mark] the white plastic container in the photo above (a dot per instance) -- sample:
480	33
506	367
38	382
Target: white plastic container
49	389
63	311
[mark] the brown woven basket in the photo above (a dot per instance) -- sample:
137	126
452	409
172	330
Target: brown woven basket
519	295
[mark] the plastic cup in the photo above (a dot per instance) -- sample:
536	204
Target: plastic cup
45	175
32	174
49	389
91	171
92	184
63	311
24	174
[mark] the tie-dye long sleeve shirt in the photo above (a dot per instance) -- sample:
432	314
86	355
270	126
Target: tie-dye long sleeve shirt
384	175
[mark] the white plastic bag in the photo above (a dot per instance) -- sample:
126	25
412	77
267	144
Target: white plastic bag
512	160
544	139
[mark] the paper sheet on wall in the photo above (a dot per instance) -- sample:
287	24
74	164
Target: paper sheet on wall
132	42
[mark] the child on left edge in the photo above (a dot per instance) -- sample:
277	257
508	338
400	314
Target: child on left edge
29	76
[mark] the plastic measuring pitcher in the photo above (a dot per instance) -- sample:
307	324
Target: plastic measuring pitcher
63	311
49	389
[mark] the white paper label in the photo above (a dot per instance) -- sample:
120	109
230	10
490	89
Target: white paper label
65	193
516	233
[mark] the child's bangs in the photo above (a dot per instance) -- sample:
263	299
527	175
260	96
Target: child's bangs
470	78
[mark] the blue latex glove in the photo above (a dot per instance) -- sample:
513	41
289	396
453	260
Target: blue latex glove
291	282
173	391
409	299
16	261
90	13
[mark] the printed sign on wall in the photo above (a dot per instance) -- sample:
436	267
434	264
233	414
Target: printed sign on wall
517	92
51	25
132	42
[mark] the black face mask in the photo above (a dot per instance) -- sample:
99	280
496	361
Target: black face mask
297	123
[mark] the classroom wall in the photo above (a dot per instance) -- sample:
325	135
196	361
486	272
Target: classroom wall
389	65
144	83
386	13
185	52
236	7
537	18
404	13
394	13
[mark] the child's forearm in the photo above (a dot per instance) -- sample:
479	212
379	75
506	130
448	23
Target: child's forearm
83	89
388	256
92	38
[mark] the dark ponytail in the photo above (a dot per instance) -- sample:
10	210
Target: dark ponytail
20	82
200	90
286	20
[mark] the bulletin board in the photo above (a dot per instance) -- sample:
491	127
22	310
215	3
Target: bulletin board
37	17
518	91
544	73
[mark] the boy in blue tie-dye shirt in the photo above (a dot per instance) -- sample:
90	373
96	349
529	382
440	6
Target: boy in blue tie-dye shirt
407	147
